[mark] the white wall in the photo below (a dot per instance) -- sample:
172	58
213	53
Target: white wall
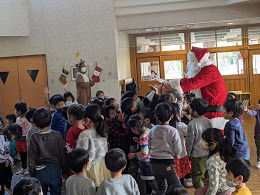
61	28
14	20
123	56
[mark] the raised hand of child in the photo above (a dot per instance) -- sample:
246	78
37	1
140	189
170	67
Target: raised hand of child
131	156
167	86
245	108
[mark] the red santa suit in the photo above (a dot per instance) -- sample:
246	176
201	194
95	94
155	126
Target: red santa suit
206	80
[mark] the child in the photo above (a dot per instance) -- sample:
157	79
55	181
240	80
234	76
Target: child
176	191
58	121
164	144
11	119
118	184
100	94
256	114
219	149
69	98
94	140
128	107
75	118
195	129
79	184
12	132
136	124
148	115
33	129
182	163
117	134
132	94
233	108
46	153
28	186
20	143
238	173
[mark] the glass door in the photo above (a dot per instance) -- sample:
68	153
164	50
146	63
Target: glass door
254	80
148	69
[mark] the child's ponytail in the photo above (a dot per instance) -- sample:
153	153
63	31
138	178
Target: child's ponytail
93	112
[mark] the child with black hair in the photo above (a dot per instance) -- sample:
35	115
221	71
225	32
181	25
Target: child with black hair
234	108
20	143
33	129
256	114
100	94
46	155
132	94
58	121
182	163
219	148
94	140
113	102
79	183
128	107
75	117
28	186
117	134
101	103
238	173
197	155
164	144
176	191
137	125
148	115
11	119
69	98
10	133
118	184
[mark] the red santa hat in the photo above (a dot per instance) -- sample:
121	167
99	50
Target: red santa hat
199	52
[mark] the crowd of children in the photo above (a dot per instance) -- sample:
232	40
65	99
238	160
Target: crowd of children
148	145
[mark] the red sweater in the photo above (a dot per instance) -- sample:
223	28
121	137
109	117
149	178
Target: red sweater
212	86
73	135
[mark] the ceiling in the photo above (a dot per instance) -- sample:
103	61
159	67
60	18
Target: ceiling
131	7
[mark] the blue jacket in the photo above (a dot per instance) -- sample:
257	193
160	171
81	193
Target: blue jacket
58	124
234	131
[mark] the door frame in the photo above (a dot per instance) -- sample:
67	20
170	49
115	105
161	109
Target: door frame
252	84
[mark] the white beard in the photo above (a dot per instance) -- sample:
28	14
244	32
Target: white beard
193	68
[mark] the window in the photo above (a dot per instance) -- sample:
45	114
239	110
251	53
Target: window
256	64
150	70
148	44
254	35
173	42
229	37
230	63
213	57
203	39
173	69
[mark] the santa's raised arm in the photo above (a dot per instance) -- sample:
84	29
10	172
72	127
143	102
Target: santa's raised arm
204	78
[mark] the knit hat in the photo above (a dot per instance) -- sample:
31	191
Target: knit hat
199	52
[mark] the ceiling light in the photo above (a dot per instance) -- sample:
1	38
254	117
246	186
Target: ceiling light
148	30
230	23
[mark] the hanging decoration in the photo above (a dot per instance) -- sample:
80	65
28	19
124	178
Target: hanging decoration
64	74
97	73
244	53
77	54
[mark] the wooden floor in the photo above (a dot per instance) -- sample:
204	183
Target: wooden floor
254	182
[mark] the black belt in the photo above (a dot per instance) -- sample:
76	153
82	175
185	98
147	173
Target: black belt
215	109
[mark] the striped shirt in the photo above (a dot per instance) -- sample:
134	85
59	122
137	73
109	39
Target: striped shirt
144	154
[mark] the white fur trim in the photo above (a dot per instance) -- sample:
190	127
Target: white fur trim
85	77
175	84
218	122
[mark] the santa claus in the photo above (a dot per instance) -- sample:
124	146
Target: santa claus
205	80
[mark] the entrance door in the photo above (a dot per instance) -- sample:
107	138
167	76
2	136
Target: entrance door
32	79
173	67
148	69
9	85
254	68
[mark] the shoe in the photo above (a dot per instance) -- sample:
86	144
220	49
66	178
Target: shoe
188	182
21	171
258	164
26	172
